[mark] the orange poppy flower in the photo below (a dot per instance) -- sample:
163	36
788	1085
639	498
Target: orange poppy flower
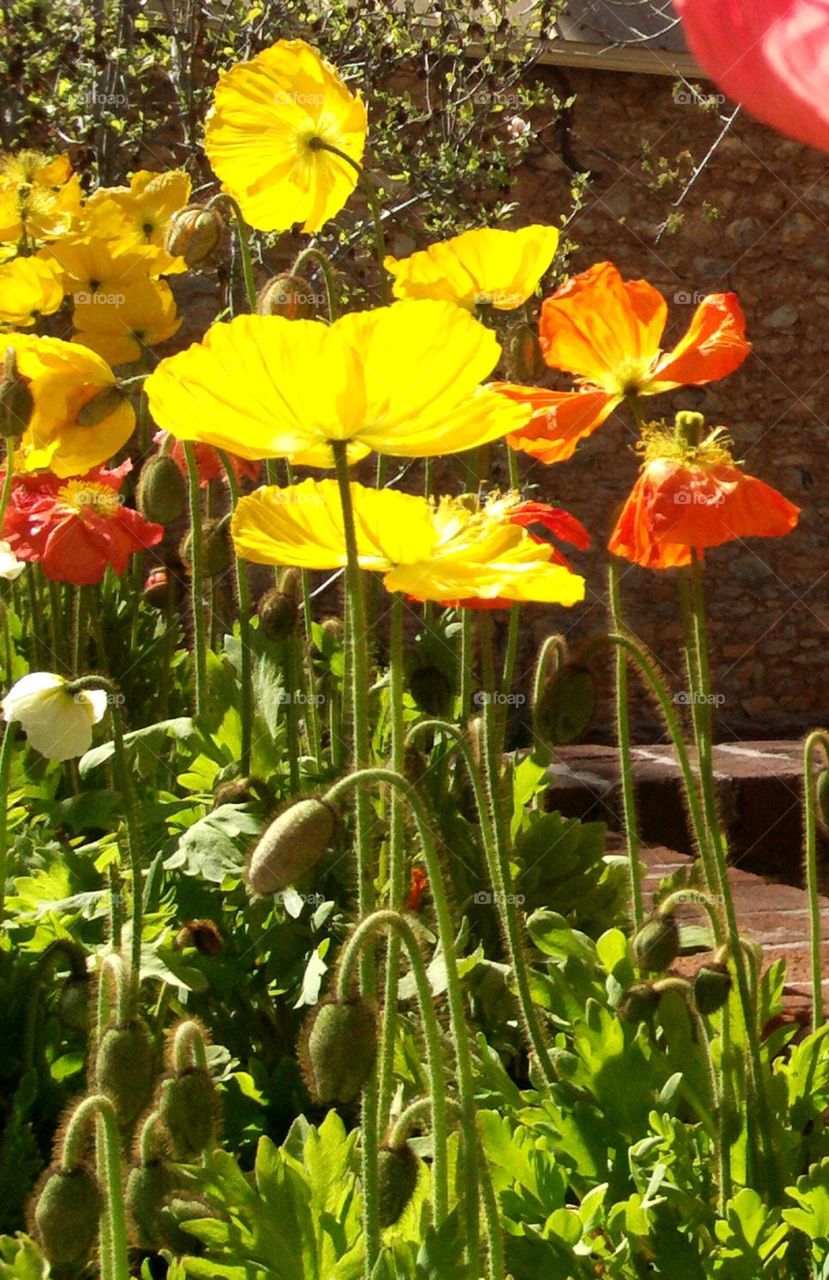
607	332
689	497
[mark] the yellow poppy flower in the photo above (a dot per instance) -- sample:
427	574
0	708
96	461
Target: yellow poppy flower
95	265
145	207
40	198
489	267
29	288
260	136
403	380
121	324
80	418
453	552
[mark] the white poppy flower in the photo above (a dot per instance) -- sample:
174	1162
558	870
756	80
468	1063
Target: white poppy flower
10	566
57	723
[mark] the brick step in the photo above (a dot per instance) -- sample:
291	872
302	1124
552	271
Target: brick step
774	915
760	791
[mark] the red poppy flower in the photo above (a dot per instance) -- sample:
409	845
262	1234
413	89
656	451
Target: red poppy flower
208	462
692	497
769	55
75	528
607	332
418	886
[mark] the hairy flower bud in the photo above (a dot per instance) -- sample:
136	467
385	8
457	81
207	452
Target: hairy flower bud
194	232
278	613
398	1172
217	551
566	705
712	986
656	945
431	690
148	1187
286	295
125	1068
74	1003
203	935
100	407
162	491
339	1048
66	1215
188	1105
639	1002
292	845
16	400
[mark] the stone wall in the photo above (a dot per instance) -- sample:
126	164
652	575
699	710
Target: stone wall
769	600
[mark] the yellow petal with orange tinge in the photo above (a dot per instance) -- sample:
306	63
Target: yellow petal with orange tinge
487	266
451	551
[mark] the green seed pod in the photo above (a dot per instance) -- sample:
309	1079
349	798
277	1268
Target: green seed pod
101	406
656	945
193	233
339	1049
74	1003
148	1186
712	986
431	690
188	1107
639	1003
278	613
399	1169
125	1069
217	551
566	705
16	400
162	491
67	1214
286	295
524	359
292	845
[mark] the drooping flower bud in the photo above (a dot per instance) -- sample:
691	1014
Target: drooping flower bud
66	1215
286	295
566	705
162	491
398	1172
639	1003
201	934
157	588
712	986
100	407
74	1002
16	400
656	945
217	551
278	613
188	1105
292	845
338	1049
233	791
148	1187
525	362
431	690
125	1068
194	232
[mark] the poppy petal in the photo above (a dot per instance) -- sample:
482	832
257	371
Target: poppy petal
560	419
714	346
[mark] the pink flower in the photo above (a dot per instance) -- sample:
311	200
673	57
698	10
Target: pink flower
770	55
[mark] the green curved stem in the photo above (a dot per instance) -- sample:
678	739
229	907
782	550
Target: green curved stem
8	480
244	245
312	254
819	739
364	183
397	836
363	781
197	580
623	737
6	750
243	597
553	650
363	935
99	1110
189	1048
497	851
